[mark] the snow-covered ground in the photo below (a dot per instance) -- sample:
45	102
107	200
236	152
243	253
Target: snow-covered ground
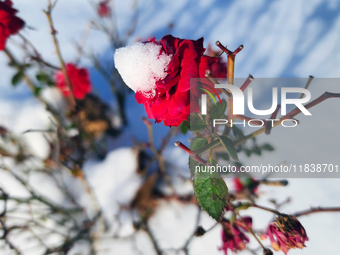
285	38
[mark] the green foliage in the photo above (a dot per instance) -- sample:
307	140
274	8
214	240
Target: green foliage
257	150
184	127
17	78
223	155
196	123
228	144
267	147
237	132
211	192
218	110
197	143
45	79
37	91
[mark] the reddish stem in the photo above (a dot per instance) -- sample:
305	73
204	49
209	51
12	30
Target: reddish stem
194	155
247	82
320	99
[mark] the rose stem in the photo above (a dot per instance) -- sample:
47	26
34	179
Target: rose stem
71	100
307	84
317	209
231	65
250	231
247	82
194	155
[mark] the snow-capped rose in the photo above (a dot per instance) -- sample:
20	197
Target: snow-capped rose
9	23
80	80
160	73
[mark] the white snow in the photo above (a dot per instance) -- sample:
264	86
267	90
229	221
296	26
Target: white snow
141	65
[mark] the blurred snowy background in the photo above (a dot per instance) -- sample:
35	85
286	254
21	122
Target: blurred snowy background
285	38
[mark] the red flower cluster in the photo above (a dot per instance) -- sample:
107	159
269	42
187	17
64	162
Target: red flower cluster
104	9
171	103
80	80
9	23
286	233
233	236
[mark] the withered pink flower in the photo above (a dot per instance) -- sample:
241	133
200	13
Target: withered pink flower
285	233
233	236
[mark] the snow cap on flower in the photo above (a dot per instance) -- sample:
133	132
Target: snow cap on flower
141	65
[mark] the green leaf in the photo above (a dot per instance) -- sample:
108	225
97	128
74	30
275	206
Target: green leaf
237	132
238	164
257	150
247	152
197	143
267	147
223	155
211	193
192	166
218	110
16	79
184	127
42	77
228	144
196	123
37	91
45	78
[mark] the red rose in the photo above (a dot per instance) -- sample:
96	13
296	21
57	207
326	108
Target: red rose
173	99
9	23
80	80
104	9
